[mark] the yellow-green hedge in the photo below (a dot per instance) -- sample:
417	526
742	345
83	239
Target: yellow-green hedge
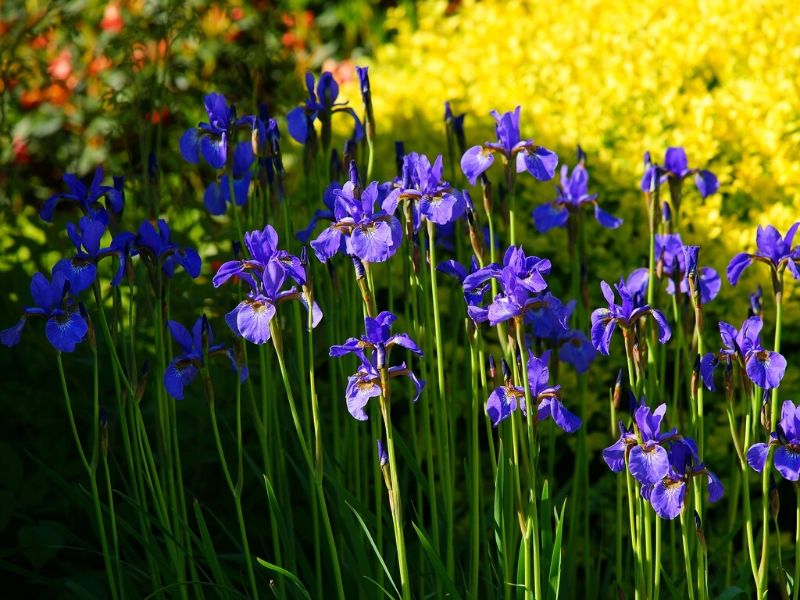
720	77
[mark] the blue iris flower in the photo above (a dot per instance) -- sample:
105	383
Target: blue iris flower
65	327
88	199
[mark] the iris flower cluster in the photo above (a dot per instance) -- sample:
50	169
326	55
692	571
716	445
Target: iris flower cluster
773	250
372	350
675	170
430	196
266	273
87	199
214	140
509	397
572	193
664	463
786	441
674	260
320	106
743	347
358	228
520	154
625	315
195	346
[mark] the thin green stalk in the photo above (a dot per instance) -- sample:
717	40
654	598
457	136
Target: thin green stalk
796	581
657	561
687	556
91	469
475	460
394	491
277	343
447	425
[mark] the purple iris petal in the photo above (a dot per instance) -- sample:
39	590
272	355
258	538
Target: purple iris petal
737	265
357	395
215	151
548	216
79	272
373	243
551	407
667	498
11	336
649	463
787	461
190	146
253	319
500	405
765	368
706	183
757	456
65	330
541	163
614	456
606	219
675	161
715	488
707	365
476	161
790	420
178	374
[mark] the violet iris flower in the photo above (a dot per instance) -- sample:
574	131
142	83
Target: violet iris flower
431	197
65	327
671	254
572	193
211	140
218	193
320	105
265	272
373	349
88	199
473	297
523	155
182	370
675	170
157	248
626	315
787	442
773	250
763	367
81	269
507	398
327	213
358	229
663	462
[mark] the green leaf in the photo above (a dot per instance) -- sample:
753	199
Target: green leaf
374	547
436	562
40	543
554	576
290	576
208	546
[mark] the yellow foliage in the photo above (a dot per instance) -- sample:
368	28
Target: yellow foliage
719	77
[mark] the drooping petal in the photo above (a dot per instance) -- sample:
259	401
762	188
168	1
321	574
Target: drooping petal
602	330
648	464
715	488
475	161
757	456
253	319
706	183
190	146
402	339
606	219
614	456
737	265
357	395
667	498
765	368
708	364
499	405
664	332
373	243
787	462
452	268
215	150
502	309
327	244
551	407
178	374
548	216
66	330
79	272
297	124
11	336
541	163
214	199
675	161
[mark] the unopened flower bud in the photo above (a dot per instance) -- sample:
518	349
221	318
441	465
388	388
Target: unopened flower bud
506	371
695	385
383	457
492	368
488	197
399	153
617	397
774	498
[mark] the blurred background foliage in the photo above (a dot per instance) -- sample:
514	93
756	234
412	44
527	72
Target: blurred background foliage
87	82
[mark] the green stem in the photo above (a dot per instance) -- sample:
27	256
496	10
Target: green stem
687	557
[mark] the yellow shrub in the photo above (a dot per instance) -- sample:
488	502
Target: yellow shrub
719	77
